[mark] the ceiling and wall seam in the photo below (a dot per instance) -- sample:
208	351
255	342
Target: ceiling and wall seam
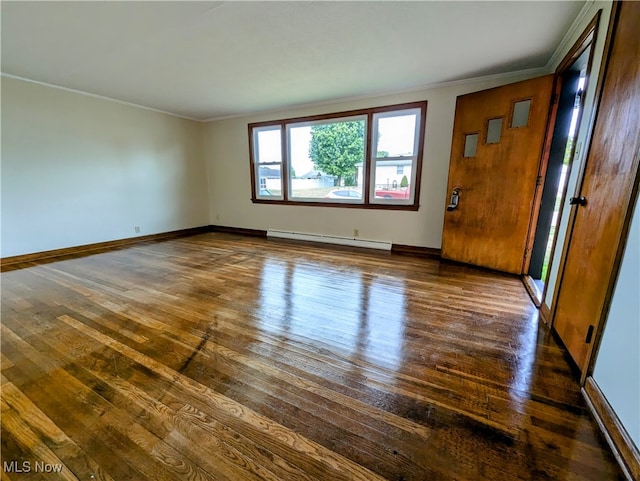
100	97
533	72
519	73
568	38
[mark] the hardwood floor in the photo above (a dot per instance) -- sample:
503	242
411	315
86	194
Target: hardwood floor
220	357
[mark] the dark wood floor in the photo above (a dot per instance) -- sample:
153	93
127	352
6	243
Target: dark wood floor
219	357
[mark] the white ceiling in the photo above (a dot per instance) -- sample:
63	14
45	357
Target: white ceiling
207	60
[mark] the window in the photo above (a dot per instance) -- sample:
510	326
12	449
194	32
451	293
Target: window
268	158
368	158
494	130
396	137
520	116
327	153
470	145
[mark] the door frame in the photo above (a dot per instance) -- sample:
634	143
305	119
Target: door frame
587	369
587	39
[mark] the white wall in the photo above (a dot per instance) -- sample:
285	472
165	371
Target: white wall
583	129
617	370
227	155
78	170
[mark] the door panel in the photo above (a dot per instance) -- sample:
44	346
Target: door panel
609	182
495	172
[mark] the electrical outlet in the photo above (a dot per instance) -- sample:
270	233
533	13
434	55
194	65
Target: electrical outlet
356	232
137	229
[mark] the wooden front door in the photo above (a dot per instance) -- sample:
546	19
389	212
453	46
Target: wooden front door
498	136
601	209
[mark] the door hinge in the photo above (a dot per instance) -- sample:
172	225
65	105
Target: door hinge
554	99
589	334
539	181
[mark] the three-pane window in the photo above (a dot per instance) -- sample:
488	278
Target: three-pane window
366	158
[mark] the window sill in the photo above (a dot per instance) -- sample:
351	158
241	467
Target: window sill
344	205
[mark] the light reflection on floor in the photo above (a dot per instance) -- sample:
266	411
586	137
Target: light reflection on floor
525	350
364	317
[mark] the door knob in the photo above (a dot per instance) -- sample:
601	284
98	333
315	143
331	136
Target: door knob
582	200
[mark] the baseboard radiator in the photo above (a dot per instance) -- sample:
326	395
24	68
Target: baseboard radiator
330	239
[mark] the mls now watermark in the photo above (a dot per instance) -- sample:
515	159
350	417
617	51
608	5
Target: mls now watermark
28	467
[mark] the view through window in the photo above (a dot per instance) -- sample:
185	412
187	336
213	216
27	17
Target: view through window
367	158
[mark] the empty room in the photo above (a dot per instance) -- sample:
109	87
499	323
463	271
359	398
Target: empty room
318	240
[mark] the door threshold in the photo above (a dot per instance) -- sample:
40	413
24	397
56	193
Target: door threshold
533	289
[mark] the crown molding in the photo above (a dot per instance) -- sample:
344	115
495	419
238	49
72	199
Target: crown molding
527	72
518	73
574	31
99	97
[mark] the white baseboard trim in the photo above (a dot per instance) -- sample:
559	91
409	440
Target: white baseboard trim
330	239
